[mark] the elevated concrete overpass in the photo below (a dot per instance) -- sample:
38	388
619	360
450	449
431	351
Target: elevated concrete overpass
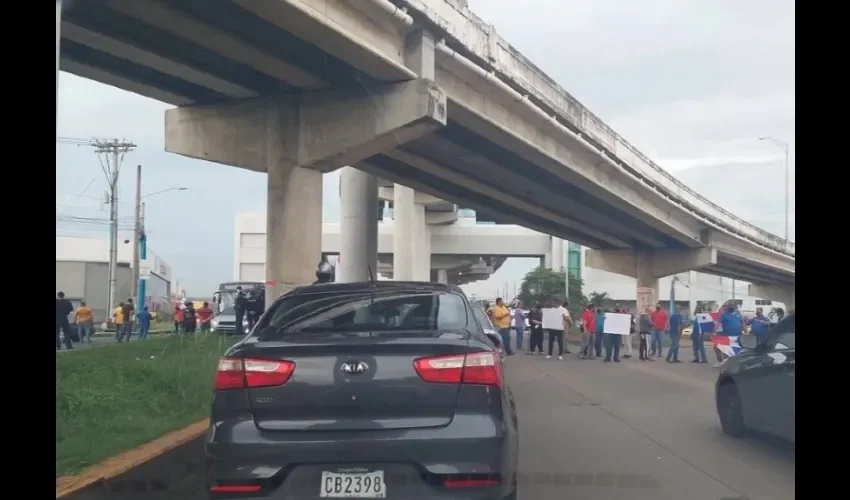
418	92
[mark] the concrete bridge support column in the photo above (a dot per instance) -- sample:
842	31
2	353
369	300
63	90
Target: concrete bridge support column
556	255
358	226
780	293
648	267
404	239
295	138
421	246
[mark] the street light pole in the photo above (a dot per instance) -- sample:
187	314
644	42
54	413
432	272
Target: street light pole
137	233
786	148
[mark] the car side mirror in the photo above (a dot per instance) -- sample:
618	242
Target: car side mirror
750	342
495	339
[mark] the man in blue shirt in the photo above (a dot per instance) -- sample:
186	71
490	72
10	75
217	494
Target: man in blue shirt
731	325
675	334
759	324
143	319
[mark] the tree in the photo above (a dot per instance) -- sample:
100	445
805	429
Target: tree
602	300
541	285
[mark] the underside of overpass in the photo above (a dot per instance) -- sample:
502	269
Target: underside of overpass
193	51
486	152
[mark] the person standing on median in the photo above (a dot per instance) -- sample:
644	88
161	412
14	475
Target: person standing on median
178	318
519	324
676	321
143	319
84	318
128	312
63	309
599	341
118	319
502	320
205	315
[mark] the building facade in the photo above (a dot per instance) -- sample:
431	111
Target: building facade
82	273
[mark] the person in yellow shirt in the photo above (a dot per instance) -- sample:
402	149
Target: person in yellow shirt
502	320
84	318
118	319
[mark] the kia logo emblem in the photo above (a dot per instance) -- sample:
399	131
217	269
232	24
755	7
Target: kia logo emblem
354	367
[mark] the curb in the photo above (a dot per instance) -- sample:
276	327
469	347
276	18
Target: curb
124	461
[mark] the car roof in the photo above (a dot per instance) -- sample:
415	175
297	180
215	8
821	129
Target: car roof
426	286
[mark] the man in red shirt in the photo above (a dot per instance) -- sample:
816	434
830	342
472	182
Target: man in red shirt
588	332
660	322
205	315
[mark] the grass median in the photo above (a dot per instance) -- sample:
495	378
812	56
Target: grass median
118	397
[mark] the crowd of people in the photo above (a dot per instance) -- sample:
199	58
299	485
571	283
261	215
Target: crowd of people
652	328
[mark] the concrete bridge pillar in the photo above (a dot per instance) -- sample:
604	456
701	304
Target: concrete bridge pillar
780	293
443	276
358	226
295	138
557	254
649	266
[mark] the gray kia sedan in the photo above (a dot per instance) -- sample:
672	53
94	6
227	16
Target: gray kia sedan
364	390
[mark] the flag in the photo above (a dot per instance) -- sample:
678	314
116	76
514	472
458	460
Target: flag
706	322
727	345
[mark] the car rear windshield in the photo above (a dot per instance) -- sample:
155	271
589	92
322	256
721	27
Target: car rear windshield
364	310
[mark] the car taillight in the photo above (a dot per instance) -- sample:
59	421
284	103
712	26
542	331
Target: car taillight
481	368
251	373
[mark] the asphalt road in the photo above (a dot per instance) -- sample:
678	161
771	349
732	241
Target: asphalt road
589	431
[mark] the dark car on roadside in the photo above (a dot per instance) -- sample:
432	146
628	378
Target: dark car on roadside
755	390
364	390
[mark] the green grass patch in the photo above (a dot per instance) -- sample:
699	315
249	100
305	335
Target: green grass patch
115	398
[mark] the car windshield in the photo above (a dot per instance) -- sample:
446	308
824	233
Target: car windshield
364	310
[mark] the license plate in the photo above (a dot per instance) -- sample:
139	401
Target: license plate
353	485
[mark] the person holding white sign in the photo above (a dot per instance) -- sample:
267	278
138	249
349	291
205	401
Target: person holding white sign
555	317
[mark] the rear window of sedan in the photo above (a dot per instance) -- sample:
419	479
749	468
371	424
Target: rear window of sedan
364	310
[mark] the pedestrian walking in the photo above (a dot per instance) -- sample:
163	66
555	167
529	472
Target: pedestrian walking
502	319
63	326
555	317
84	318
644	328
143	319
675	322
519	324
535	319
189	318
660	325
731	325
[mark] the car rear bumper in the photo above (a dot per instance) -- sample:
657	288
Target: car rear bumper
415	462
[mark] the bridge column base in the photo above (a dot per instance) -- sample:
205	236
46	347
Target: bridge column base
648	267
784	294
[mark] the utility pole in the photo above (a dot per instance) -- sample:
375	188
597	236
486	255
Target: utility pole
111	153
137	233
143	248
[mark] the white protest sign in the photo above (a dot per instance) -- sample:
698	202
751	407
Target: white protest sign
617	323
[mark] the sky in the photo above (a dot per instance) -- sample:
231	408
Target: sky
693	84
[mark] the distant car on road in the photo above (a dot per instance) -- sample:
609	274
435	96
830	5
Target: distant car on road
364	390
756	389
